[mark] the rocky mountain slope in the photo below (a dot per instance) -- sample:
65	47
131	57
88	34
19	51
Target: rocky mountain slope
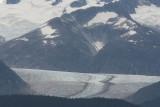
152	103
146	94
10	82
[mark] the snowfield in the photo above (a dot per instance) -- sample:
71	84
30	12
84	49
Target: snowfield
101	17
1	1
147	15
76	85
47	31
31	14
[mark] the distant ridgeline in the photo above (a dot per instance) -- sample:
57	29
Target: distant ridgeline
46	101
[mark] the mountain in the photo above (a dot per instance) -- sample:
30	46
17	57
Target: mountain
2	40
152	103
15	22
10	82
83	41
146	94
47	101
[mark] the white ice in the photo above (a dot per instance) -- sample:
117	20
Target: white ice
101	17
35	12
98	45
147	15
75	85
47	31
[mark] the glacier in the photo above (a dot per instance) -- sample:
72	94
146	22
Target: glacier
79	85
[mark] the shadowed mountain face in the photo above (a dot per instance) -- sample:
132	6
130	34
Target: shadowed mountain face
97	39
152	103
10	82
146	94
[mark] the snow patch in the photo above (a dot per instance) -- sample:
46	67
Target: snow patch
115	1
123	23
132	32
154	46
129	33
101	17
23	39
45	42
132	41
98	45
121	20
47	31
148	15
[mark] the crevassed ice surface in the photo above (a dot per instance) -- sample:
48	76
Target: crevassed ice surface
76	85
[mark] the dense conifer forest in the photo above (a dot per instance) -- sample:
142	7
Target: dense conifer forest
47	101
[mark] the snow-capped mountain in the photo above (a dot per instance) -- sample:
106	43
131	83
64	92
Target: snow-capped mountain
84	85
97	39
10	82
21	16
